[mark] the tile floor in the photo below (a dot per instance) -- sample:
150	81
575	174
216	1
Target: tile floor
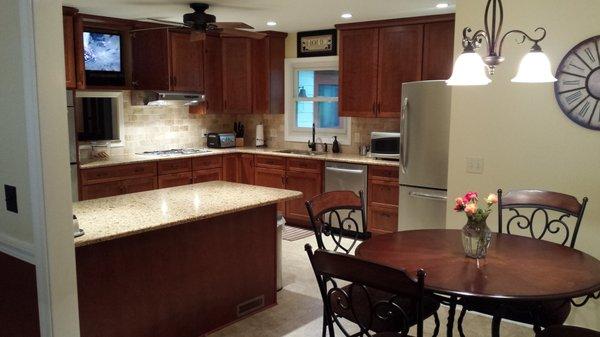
299	309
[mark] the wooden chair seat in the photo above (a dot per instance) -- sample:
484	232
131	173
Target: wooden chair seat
430	307
567	331
547	313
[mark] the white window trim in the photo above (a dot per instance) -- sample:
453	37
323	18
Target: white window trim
293	134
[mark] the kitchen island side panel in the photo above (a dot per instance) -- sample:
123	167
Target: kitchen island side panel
180	281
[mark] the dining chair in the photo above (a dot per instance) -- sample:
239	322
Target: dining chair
346	283
339	215
567	331
541	215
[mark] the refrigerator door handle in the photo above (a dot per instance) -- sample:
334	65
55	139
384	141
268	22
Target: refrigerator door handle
427	196
404	140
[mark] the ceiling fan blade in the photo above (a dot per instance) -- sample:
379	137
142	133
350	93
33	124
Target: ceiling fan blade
167	22
197	36
242	33
232	25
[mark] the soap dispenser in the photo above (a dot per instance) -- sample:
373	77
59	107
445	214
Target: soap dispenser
335	148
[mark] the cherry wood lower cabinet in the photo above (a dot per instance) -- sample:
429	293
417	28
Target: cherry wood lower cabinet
310	184
207	175
246	169
174	179
270	177
382	200
113	188
231	167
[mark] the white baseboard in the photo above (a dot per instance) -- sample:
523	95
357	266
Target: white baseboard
16	248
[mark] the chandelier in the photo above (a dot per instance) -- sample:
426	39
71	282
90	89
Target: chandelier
471	69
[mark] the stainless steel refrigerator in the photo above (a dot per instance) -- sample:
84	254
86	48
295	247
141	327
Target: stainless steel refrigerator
424	140
72	144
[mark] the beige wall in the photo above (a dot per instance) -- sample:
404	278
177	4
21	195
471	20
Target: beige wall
520	131
13	102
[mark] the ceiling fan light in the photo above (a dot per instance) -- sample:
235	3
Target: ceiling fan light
535	68
469	69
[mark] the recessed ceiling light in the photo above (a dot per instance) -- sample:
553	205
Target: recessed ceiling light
442	5
346	16
271	23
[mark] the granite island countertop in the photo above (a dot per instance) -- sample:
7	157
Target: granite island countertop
124	215
337	157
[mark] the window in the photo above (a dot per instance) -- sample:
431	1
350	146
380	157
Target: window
312	97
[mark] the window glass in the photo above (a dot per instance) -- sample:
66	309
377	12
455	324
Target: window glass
316	99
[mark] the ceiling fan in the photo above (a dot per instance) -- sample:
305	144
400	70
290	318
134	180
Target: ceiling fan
201	22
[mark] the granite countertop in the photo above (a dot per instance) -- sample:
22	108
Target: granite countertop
337	157
124	215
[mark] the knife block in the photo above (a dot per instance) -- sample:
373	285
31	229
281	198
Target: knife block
239	142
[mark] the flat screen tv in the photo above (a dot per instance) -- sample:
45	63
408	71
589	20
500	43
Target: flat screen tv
103	58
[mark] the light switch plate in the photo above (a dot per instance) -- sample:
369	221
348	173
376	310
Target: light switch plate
475	165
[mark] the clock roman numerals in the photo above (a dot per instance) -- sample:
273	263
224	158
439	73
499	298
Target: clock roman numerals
573	97
590	54
584	109
572	64
571	82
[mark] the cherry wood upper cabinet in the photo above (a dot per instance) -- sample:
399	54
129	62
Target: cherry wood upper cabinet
165	59
268	56
187	63
358	72
438	50
213	80
377	57
150	51
69	40
237	76
400	57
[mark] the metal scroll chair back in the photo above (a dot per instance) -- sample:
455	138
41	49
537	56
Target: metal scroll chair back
541	215
341	215
334	270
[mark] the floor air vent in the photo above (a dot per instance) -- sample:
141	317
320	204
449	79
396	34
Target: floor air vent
251	305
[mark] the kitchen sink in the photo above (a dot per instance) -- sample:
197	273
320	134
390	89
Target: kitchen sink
302	152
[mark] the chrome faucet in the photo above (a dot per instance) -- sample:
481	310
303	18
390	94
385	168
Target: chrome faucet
313	145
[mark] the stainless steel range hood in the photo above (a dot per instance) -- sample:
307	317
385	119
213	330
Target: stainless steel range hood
170	98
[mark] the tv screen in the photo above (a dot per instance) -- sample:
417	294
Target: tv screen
102	51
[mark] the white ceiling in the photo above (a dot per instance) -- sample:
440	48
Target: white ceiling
291	16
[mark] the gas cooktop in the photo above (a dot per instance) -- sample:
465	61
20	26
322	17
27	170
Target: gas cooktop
173	152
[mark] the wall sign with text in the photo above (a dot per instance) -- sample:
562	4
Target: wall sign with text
317	43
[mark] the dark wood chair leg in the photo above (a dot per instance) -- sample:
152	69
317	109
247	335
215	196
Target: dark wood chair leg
461	318
451	313
436	330
496	326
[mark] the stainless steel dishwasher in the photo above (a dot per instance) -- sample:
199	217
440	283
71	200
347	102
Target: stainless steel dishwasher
347	177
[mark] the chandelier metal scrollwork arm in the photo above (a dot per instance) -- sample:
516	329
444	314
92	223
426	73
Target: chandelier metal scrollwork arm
492	34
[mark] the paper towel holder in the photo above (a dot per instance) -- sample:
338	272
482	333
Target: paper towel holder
260	136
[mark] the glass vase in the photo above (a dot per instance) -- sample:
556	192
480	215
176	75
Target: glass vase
476	238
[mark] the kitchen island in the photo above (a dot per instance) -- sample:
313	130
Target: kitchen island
180	261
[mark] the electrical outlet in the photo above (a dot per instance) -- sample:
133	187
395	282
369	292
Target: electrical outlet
10	195
475	165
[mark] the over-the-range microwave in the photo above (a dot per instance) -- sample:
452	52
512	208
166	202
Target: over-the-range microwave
385	145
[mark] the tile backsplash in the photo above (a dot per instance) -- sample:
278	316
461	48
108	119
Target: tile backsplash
165	127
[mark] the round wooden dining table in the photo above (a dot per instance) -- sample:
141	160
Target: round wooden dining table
516	267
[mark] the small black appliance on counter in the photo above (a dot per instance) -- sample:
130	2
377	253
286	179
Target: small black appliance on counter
220	140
